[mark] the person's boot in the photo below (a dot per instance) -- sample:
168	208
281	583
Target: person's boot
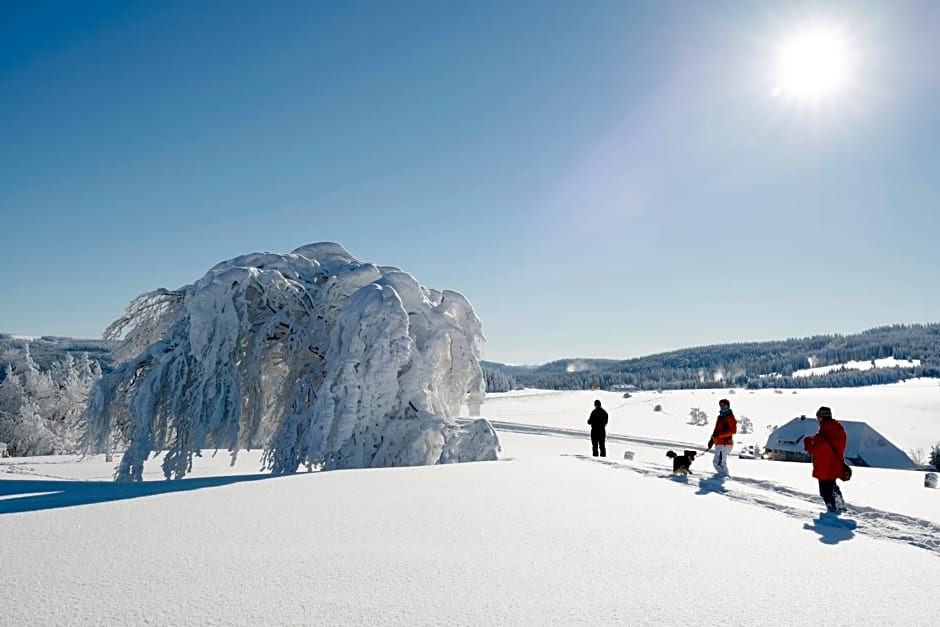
839	503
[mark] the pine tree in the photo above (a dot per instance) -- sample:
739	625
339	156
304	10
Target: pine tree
935	456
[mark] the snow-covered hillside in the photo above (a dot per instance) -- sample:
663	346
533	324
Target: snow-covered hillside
548	535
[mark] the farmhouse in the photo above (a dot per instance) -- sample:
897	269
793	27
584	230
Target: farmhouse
864	446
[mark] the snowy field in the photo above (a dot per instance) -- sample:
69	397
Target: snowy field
546	535
886	362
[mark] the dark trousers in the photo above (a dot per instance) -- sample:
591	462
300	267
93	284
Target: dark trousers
597	442
828	491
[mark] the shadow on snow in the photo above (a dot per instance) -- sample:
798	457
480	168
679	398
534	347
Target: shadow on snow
709	485
30	495
831	529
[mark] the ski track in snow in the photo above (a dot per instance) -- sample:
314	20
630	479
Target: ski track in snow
29	470
577	433
869	521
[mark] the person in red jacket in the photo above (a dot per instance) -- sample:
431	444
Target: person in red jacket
828	450
723	436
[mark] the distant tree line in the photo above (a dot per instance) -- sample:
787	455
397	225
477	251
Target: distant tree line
752	364
498	381
45	351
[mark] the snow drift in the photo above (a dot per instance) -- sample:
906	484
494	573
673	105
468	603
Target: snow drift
320	358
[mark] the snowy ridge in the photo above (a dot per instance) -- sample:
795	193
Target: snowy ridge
320	358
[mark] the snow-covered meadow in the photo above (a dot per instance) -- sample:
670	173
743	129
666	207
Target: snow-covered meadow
546	535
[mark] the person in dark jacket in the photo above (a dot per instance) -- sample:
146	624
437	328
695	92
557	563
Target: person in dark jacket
828	450
723	436
598	422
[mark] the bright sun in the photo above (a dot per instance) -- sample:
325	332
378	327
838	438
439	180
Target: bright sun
813	65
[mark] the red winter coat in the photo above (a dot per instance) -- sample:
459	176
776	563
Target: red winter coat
827	463
725	428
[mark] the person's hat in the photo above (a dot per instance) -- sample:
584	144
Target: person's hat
824	412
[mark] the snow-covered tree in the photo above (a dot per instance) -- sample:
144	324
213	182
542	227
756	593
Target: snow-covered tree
21	424
27	434
697	417
73	379
40	410
320	358
745	425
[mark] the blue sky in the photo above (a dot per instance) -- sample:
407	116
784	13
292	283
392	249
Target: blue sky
600	179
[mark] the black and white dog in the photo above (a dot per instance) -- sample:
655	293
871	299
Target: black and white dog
681	464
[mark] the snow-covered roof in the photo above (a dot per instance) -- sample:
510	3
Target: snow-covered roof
863	443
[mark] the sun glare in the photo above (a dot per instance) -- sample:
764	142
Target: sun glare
813	65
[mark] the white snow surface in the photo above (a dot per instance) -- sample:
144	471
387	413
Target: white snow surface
887	362
319	358
547	535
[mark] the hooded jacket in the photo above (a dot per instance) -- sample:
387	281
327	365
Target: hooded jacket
827	463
